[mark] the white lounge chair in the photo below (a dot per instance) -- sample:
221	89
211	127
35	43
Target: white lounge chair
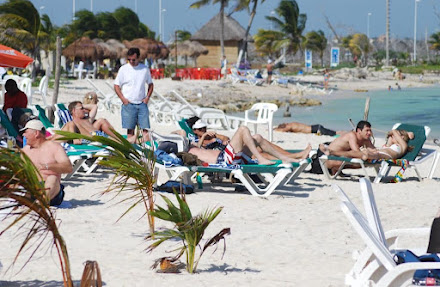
367	266
265	113
383	270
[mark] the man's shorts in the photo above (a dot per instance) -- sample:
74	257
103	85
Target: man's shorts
58	199
228	156
135	114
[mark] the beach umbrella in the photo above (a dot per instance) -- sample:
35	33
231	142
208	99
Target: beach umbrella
149	48
197	49
12	58
105	50
83	48
116	45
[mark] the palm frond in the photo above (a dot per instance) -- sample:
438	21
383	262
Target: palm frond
133	166
22	193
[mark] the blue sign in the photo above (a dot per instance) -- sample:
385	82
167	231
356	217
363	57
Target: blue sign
334	57
308	59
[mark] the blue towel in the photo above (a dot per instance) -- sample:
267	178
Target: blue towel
167	159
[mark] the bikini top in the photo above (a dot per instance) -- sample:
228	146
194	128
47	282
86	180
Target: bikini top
394	147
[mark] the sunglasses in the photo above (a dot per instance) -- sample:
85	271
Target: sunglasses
132	60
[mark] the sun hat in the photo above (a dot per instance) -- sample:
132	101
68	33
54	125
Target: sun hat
269	61
199	124
33	124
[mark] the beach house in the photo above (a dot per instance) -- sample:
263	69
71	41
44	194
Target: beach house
209	36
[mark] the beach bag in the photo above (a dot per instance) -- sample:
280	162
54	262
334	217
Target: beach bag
316	167
424	277
172	185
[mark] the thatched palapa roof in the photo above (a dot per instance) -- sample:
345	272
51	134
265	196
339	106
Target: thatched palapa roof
189	48
83	48
211	30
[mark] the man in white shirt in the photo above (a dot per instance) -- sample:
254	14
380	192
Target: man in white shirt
130	88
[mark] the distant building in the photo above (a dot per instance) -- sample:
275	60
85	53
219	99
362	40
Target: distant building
209	36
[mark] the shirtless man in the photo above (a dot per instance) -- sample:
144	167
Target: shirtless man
84	125
295	127
349	145
49	157
243	141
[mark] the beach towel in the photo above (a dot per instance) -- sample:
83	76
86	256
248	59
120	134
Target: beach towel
403	163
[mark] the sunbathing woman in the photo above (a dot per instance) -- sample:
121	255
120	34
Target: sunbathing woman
395	147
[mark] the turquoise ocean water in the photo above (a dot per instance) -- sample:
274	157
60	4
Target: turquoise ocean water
414	106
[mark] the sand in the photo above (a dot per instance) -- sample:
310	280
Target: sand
298	236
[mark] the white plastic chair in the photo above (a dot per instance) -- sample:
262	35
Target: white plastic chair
91	73
78	71
265	116
42	90
26	87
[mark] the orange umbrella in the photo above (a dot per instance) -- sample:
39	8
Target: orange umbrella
12	58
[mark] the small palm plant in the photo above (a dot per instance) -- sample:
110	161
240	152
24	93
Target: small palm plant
189	229
133	166
23	199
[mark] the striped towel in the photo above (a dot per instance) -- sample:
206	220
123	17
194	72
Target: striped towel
403	163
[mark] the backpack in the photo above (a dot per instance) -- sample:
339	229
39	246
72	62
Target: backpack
172	185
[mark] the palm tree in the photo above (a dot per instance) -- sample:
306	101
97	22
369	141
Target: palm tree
291	23
244	4
108	27
183	35
266	42
20	186
434	40
360	46
223	5
85	24
316	41
187	228
20	27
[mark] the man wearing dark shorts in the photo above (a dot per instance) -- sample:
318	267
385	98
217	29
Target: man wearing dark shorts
50	159
130	88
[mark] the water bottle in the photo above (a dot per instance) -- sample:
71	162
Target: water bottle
24	141
199	181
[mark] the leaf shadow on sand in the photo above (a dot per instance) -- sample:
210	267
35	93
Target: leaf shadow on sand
37	283
225	268
74	203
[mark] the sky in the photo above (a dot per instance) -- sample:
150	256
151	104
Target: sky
346	16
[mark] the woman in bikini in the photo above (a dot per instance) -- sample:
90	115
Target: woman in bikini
395	147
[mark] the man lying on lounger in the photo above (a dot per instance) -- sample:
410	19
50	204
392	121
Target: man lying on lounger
244	142
49	157
295	127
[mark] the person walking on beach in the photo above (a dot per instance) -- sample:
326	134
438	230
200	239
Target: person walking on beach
269	68
50	159
224	66
130	88
326	78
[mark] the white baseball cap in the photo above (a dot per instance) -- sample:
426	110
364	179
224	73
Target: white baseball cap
33	124
199	124
269	61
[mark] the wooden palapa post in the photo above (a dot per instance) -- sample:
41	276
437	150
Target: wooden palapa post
57	81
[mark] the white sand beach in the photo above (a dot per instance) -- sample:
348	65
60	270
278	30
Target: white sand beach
298	236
